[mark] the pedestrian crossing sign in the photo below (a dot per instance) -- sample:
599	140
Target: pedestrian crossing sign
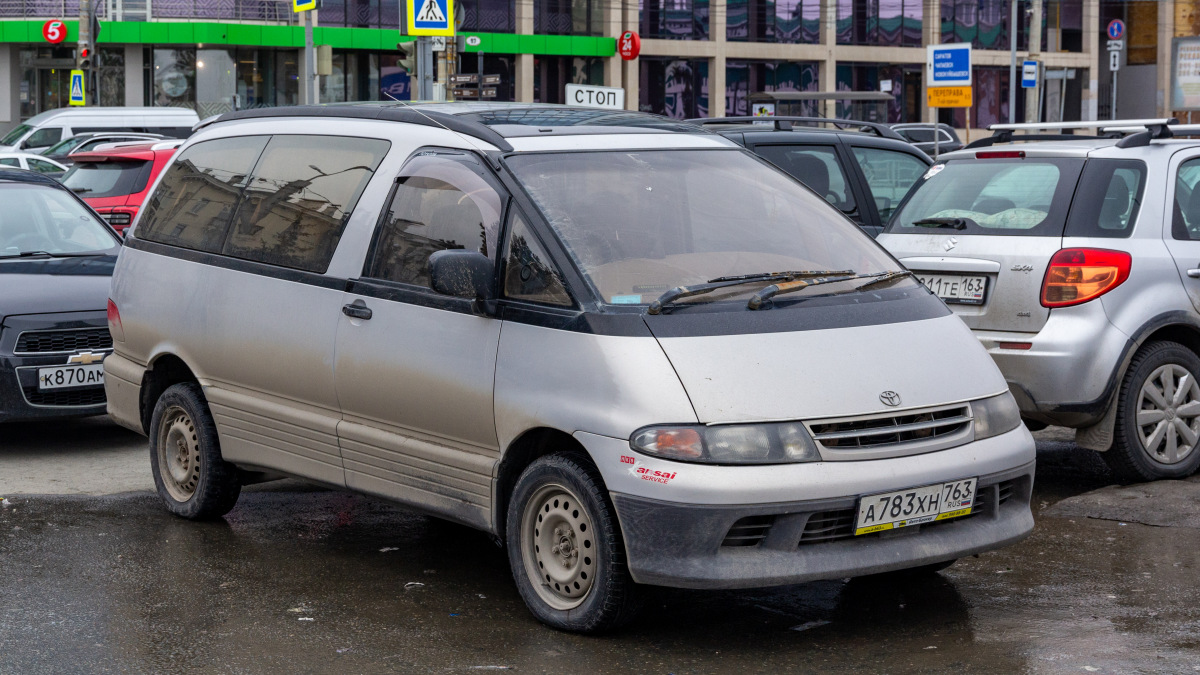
430	17
77	95
303	5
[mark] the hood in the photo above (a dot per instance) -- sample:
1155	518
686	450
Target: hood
54	285
803	375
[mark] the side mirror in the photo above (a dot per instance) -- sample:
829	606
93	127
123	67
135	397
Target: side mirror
462	274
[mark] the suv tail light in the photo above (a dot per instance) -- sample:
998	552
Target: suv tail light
1077	275
120	217
114	322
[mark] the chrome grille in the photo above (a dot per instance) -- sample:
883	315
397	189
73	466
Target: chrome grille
880	432
748	531
50	341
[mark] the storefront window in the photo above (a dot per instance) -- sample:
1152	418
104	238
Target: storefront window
894	23
216	82
743	78
174	78
784	21
673	87
355	77
551	74
112	76
902	82
673	19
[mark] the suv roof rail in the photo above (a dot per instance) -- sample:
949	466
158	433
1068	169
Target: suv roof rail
784	123
426	117
1150	128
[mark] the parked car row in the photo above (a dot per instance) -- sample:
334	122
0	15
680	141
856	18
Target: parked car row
635	350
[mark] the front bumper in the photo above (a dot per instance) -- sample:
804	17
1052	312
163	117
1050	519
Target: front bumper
20	398
688	546
675	517
1069	375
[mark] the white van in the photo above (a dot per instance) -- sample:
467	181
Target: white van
561	326
39	132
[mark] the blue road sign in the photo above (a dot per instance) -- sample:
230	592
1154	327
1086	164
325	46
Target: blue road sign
77	95
430	17
1029	74
1116	28
949	65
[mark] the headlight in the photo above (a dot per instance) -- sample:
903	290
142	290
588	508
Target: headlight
995	415
728	444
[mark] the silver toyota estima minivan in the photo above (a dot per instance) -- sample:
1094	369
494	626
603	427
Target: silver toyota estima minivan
630	349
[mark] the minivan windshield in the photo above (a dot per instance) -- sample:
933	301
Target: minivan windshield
1009	196
43	220
640	223
15	135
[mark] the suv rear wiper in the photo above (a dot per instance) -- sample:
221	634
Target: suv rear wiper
953	223
81	190
725	282
760	298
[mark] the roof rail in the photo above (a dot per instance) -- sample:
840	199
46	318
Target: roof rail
1004	133
428	118
784	123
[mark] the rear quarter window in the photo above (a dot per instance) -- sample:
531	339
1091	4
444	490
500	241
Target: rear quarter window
1108	199
1007	197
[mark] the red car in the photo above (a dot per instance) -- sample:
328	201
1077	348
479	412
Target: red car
116	181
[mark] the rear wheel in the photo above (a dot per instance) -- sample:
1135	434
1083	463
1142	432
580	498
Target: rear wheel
1157	428
565	547
192	479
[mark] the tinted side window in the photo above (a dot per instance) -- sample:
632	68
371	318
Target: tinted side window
1108	198
889	174
1185	223
42	166
44	138
529	273
817	167
441	202
301	195
194	202
10	161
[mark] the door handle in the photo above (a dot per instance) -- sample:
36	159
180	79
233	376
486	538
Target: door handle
1195	274
357	310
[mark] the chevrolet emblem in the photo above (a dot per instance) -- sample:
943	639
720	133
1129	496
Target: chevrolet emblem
86	358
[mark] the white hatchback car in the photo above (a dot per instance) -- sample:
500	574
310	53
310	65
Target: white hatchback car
629	348
32	162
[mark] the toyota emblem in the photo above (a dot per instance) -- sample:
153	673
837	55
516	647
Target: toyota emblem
890	397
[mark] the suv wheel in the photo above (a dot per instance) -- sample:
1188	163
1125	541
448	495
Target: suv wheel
185	456
565	547
1157	431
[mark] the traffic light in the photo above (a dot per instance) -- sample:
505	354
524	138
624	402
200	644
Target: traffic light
408	56
83	60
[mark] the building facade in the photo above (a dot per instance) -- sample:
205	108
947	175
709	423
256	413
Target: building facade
698	58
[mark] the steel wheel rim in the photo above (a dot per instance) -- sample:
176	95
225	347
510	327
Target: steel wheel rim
178	454
1168	414
559	549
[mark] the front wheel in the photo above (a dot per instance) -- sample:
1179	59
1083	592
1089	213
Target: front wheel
565	547
192	479
1157	428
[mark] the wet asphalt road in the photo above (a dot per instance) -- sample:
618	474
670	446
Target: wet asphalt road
304	580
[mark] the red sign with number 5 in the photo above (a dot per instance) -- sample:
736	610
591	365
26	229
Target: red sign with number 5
629	45
54	31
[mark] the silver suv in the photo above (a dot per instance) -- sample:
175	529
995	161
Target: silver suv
631	349
1076	262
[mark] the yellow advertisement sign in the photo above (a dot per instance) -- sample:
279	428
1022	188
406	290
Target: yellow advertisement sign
948	97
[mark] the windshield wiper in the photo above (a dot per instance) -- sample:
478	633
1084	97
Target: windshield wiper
81	190
760	298
30	254
953	223
725	282
886	278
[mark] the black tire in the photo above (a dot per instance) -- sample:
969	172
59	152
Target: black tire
610	601
194	482
1128	457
